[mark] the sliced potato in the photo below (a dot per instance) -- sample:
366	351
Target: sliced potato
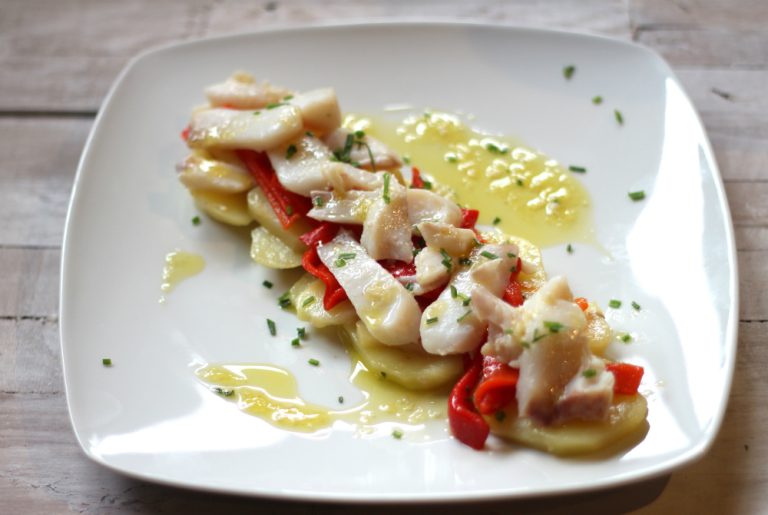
269	250
598	331
228	208
201	171
625	416
262	212
409	366
312	311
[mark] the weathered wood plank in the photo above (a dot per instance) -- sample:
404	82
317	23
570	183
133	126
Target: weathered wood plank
29	283
749	203
45	472
29	356
39	162
708	48
736	14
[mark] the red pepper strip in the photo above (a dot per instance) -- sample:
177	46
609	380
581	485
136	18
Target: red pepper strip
334	293
497	388
289	207
469	218
323	233
466	424
514	293
428	298
185	132
582	303
627	377
416	180
398	268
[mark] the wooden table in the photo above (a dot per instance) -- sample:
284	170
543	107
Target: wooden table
58	57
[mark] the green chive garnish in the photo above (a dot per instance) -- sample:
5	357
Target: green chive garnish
107	362
196	220
577	169
295	342
409	286
347	256
427	185
495	149
465	315
500	416
625	337
568	71
256	113
310	134
289	210
431	320
383	374
339	263
272	327
397	434
274	105
636	305
341	399
318	201
454	292
554	327
406	160
224	392
288	97
636	195
569	248
597	100
387	178
290	151
465	261
619	117
519	181
309	300
313	362
267	284
489	255
359	134
496	221
615	304
283	300
590	372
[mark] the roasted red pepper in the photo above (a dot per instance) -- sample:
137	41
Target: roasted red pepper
289	207
416	180
398	268
185	132
627	377
582	303
466	423
513	294
334	293
323	233
497	388
469	218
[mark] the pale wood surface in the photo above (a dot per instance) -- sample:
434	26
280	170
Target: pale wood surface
58	58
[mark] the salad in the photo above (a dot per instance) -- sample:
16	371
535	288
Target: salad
419	291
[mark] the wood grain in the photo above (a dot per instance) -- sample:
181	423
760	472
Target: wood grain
736	15
29	283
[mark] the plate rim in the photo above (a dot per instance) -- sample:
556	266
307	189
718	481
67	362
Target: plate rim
730	340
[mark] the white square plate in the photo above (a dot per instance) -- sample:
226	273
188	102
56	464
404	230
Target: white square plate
149	417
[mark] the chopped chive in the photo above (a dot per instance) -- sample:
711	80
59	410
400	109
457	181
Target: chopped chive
387	178
519	181
636	195
288	97
636	305
431	320
289	210
454	292
525	345
477	243
310	134
619	117
302	332
283	300
224	392
359	134
496	221
347	255
537	336
318	201
339	263
568	71
309	300
569	248
256	113
597	100
409	286
383	374
397	434
615	304
427	185
274	105
495	149
465	301
447	261
500	416
508	331
451	158
267	284
290	151
313	362
272	327
107	362
341	399
577	169
465	315
554	327
489	255
196	220
625	337
465	262
295	342
590	372
406	160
